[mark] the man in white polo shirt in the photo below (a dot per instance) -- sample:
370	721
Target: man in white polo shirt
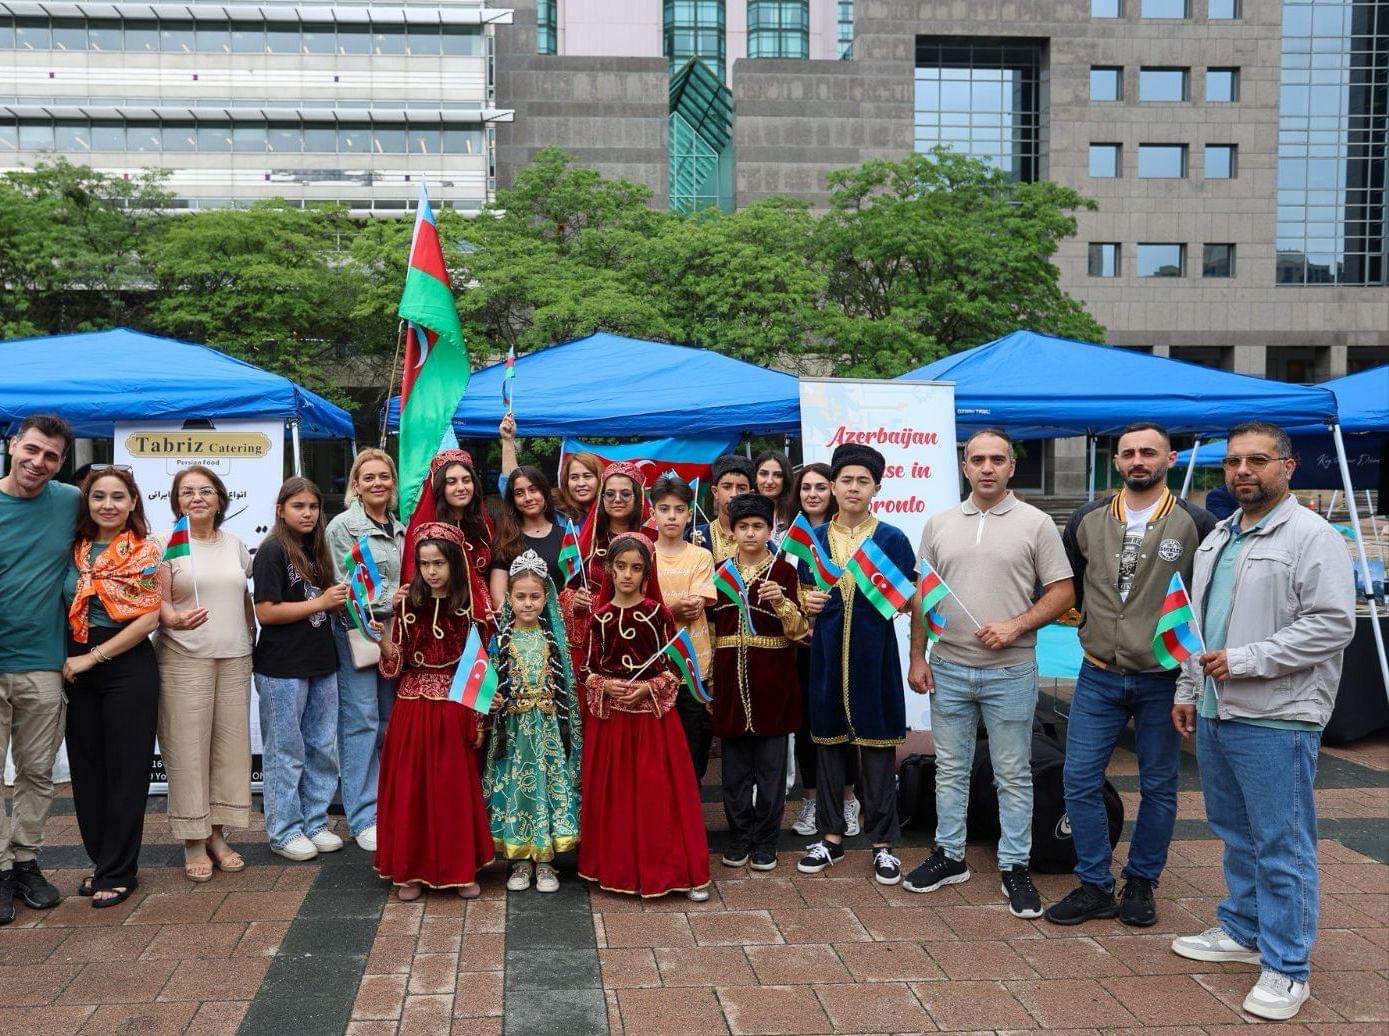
992	550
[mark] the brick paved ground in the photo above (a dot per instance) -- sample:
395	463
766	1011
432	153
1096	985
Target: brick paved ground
322	948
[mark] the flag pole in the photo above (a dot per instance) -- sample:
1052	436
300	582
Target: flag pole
390	384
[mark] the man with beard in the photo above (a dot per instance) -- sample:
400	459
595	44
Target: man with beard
1124	552
1273	591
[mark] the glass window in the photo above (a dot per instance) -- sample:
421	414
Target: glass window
1162	84
74	135
354	39
9	135
1161	160
387	139
425	141
1104	160
142	36
465	41
105	35
694	28
143	136
1106	9
1106	83
1220	161
388	39
546	22
1222	85
248	38
6	43
32	34
69	34
319	39
462	142
177	39
422	39
214	136
1104	259
320	137
36	136
1218	261
108	135
248	138
1164	9
1223	10
214	38
179	136
1163	260
282	37
284	138
354	138
778	29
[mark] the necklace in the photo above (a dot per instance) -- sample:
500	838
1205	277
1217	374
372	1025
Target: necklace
530	656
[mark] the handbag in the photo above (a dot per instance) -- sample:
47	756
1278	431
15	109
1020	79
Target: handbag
365	652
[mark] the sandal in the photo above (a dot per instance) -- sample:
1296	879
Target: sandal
472	890
230	861
84	887
121	895
410	892
198	870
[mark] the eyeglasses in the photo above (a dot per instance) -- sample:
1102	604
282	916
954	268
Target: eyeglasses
1255	462
618	494
113	467
206	493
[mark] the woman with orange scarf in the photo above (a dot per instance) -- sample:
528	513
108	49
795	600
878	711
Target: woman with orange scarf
112	678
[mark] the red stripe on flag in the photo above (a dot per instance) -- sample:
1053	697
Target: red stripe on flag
930	581
884	585
428	255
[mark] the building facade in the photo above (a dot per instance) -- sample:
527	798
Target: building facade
348	102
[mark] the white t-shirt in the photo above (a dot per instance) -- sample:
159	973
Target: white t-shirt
1137	528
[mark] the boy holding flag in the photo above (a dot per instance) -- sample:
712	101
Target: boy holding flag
856	697
757	699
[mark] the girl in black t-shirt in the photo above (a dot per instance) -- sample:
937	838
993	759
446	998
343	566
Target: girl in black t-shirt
295	663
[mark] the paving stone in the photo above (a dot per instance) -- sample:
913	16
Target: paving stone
773	1009
476	1027
761	893
629	930
262	939
85	945
733	928
426	1015
439	934
258	906
890	1008
34	985
572	969
177	908
820	925
972	1006
482	952
29	945
478	994
328	935
559	1011
380	996
887	962
628	968
192	941
1339	950
47	1021
1068	958
119	982
981	922
360	1027
1231	988
888	924
1069	1003
799	964
218	1018
1168	1000
978	960
703	966
671	1012
561	931
215	980
327	974
155	1019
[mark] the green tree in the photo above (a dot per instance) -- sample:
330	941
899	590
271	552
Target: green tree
935	253
72	244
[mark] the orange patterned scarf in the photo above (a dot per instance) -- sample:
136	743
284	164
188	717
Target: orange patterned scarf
118	578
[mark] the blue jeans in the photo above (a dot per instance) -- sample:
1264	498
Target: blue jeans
298	723
1006	699
1101	708
1257	782
364	705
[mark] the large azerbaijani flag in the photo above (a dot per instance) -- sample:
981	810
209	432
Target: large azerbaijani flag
690	457
885	586
800	542
436	368
474	682
1176	638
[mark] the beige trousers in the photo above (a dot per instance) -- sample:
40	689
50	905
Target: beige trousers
205	741
32	709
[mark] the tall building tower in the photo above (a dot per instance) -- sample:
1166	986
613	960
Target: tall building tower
346	102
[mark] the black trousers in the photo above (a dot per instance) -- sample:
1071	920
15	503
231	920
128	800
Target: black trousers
699	732
112	712
877	791
807	766
748	762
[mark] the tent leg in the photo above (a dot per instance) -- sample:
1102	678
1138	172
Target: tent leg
298	458
1191	469
1332	505
1374	524
1360	554
1090	467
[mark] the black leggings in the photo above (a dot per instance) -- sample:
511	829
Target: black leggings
112	711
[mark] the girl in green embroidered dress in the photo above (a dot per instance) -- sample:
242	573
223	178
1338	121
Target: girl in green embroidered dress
532	779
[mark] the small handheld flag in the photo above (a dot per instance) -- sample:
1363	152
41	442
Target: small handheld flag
800	542
681	651
178	545
935	623
359	555
359	594
933	587
1176	638
729	582
570	561
475	682
508	378
885	586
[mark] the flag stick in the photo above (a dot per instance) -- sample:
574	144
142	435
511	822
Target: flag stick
977	624
659	651
1195	625
390	384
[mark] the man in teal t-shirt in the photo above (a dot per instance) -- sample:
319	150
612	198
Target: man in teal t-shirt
37	526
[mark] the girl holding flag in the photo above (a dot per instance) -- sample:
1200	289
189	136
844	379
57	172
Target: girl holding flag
641	823
364	695
432	827
532	776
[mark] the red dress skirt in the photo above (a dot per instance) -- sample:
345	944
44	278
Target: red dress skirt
641	820
431	824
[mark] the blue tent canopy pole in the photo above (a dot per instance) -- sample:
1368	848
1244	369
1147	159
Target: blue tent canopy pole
1361	555
1191	468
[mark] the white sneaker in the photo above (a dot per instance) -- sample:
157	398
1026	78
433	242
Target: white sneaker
297	848
546	878
325	841
851	810
520	879
366	839
698	895
1214	944
805	819
1276	996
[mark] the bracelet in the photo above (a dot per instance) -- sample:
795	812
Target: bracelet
99	655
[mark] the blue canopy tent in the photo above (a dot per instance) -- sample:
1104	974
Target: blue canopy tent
609	385
94	380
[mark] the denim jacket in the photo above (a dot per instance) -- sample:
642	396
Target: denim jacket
352	525
1292	614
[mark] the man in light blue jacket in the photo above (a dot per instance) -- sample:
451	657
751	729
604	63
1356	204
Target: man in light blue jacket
1273	593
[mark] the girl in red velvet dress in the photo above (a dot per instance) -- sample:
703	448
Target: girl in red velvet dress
641	823
431	827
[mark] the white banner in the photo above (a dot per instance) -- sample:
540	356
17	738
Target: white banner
912	424
248	456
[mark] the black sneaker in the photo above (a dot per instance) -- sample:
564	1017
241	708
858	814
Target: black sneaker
887	869
819	855
736	855
1136	906
763	860
1082	904
937	871
6	898
1023	899
33	887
